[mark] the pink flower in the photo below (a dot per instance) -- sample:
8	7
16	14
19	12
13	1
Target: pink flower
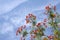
45	20
44	23
21	38
17	32
47	8
20	28
38	25
50	37
24	26
27	21
46	26
33	36
54	7
27	17
30	15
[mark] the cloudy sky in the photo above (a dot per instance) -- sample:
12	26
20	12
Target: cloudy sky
13	12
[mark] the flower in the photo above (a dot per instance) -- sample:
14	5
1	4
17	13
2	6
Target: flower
47	8
34	31
45	20
20	29
21	38
24	26
27	21
44	23
27	17
46	26
33	36
39	24
17	32
50	37
54	7
34	17
30	15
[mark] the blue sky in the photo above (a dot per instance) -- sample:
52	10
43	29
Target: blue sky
13	12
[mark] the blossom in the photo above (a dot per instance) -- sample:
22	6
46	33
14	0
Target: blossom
27	17
45	26
46	13
50	37
33	36
21	38
39	24
24	26
45	20
34	31
30	15
54	7
20	29
34	17
47	8
30	18
27	21
17	32
44	23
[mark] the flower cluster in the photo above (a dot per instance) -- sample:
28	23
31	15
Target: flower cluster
22	31
30	18
52	16
38	28
49	10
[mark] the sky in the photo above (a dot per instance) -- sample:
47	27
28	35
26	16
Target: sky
13	12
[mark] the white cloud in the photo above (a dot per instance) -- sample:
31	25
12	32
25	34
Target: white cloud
8	6
6	28
17	20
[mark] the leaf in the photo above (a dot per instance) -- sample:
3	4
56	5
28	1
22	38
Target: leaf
25	33
56	32
33	23
55	38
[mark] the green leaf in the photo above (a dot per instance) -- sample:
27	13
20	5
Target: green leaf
34	23
25	33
